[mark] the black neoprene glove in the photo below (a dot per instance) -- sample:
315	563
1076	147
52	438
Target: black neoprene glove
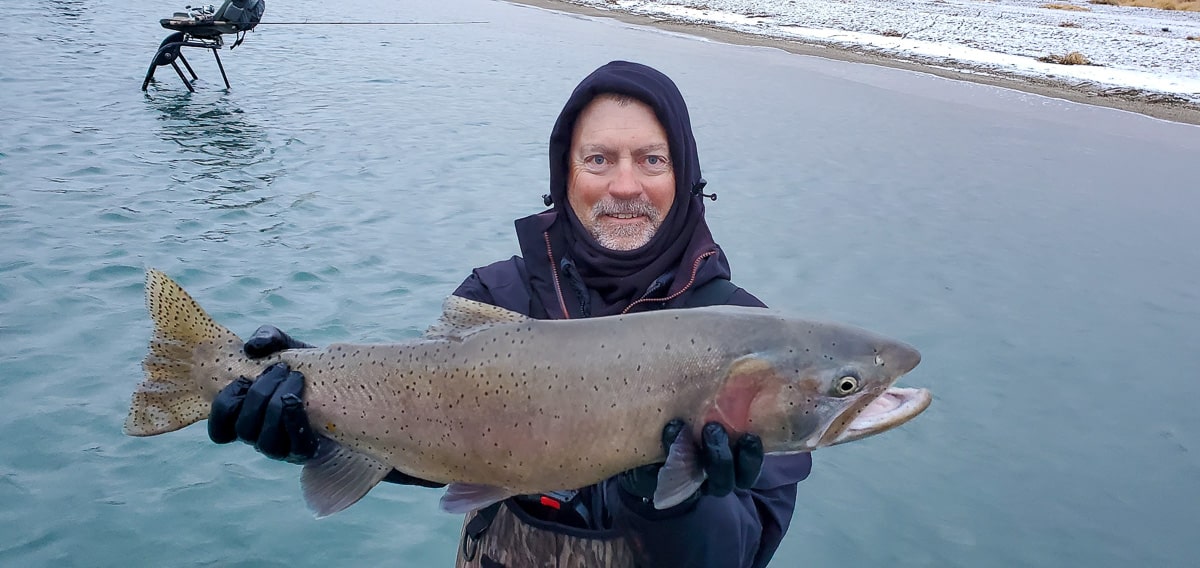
268	412
269	340
727	465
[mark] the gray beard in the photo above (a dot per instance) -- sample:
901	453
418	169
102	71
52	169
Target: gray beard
624	238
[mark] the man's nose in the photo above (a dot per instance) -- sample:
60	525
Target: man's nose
626	184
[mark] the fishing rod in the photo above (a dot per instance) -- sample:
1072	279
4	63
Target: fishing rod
368	23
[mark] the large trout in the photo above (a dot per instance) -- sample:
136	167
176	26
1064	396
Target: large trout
496	404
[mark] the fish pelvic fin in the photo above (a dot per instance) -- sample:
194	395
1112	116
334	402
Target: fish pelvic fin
462	317
169	398
681	475
338	476
463	498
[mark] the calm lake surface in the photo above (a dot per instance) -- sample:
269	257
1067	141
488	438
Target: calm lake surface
1044	256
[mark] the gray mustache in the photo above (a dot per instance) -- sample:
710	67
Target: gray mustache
635	207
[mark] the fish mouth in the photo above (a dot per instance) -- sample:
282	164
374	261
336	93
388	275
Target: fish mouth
891	408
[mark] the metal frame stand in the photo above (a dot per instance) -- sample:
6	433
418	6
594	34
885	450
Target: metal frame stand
171	49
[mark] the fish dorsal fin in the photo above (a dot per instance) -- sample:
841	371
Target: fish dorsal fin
462	317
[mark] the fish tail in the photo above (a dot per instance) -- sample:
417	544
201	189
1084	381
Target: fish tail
170	397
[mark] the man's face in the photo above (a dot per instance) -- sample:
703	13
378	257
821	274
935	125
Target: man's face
621	183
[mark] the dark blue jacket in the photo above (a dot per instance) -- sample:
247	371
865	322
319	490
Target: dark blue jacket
742	529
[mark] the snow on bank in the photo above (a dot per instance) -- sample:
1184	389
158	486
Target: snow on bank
1131	49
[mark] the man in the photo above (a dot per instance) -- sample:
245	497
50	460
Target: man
625	233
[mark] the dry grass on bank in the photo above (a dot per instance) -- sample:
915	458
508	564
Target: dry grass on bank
1067	7
1185	5
1073	58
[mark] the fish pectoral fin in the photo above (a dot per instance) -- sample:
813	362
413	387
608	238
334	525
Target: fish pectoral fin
463	498
682	475
337	477
462	317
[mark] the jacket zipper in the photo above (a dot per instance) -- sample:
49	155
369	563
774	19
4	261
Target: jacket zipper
554	272
691	280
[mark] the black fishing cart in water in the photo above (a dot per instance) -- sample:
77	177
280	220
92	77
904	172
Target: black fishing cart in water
203	27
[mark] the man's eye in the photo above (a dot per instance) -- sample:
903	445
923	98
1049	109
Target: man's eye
595	160
656	163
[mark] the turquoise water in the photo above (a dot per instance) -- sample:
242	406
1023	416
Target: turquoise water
1042	255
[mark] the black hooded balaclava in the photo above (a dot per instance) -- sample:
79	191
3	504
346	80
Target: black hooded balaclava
617	277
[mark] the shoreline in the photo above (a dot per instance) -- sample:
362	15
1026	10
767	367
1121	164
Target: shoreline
1155	105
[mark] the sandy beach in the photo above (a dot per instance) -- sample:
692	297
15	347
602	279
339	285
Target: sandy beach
1141	59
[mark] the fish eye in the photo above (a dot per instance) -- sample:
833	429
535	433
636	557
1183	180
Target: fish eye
846	385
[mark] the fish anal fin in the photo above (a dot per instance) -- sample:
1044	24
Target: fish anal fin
338	476
463	498
462	317
681	475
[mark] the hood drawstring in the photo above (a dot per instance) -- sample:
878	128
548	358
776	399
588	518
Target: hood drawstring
697	189
571	275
